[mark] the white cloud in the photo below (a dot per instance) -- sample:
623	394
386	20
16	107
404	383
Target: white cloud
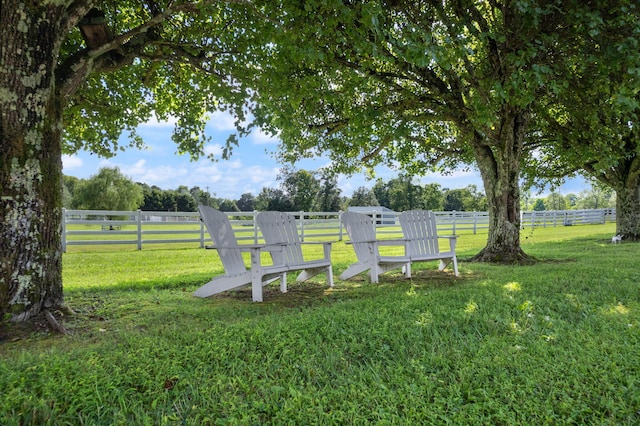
154	175
455	174
229	179
163	175
235	165
266	175
71	162
137	169
153	122
213	149
106	163
259	137
222	121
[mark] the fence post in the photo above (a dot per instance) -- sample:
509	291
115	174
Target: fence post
139	223
302	226
202	237
255	227
453	215
533	219
64	230
475	222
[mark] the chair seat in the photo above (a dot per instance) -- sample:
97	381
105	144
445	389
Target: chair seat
236	273
420	230
281	229
362	233
394	259
421	257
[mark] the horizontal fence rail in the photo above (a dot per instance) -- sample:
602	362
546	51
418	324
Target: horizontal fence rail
139	228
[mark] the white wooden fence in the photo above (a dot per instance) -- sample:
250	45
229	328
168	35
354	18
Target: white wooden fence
139	228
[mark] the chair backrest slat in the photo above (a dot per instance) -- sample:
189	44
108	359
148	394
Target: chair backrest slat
279	228
419	227
221	233
361	230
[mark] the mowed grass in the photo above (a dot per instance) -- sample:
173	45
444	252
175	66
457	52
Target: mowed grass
557	342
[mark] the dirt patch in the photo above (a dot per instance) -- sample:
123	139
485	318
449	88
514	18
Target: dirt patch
298	294
34	327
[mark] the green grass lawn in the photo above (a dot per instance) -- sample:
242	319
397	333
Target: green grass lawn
557	342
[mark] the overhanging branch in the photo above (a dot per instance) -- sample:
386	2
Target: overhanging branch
115	54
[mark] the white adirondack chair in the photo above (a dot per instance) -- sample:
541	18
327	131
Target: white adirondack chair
280	230
362	234
236	273
419	229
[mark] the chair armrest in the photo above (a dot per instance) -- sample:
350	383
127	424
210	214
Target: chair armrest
453	239
360	242
318	242
274	247
216	247
242	246
326	247
394	242
246	247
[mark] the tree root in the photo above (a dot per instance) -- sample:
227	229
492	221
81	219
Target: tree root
66	309
54	323
516	257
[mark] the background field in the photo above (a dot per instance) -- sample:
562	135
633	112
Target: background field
555	342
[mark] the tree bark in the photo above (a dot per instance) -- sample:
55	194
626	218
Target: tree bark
624	178
30	160
628	213
628	208
499	162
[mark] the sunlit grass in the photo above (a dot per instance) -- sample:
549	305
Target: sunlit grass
556	342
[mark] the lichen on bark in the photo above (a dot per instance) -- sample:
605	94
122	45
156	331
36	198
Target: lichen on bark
30	161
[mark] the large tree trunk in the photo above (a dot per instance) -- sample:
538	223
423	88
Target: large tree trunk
499	164
30	160
624	178
628	209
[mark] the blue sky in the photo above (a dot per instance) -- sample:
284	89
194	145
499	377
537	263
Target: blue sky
250	168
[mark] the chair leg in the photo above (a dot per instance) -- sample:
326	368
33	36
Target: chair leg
443	264
256	277
406	270
353	270
373	272
256	287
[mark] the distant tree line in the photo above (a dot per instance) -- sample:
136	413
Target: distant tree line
598	196
302	190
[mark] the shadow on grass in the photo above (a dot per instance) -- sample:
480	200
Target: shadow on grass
183	282
312	293
299	294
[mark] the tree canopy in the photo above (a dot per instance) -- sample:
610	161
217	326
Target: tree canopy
168	61
423	85
414	84
60	92
593	128
109	189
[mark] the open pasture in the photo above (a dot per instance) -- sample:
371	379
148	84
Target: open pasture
555	342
